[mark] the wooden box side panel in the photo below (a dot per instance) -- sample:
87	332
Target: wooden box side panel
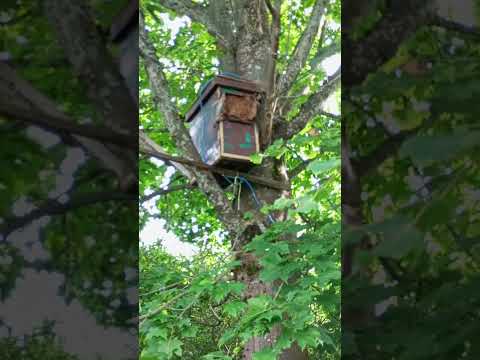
242	86
238	140
204	130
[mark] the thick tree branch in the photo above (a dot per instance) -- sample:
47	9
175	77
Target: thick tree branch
302	49
206	181
455	26
313	106
159	85
389	147
400	21
52	207
324	53
171	189
84	48
18	95
228	172
64	125
286	103
198	13
146	144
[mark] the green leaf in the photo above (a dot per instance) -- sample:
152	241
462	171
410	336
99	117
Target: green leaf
400	237
217	355
320	166
306	204
157	332
170	347
282	203
425	150
223	289
227	336
256	158
190	331
234	308
248	215
309	337
276	149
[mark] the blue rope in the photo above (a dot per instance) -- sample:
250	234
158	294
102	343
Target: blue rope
252	190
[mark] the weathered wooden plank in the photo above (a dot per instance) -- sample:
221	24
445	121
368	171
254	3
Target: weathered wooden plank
244	85
239	140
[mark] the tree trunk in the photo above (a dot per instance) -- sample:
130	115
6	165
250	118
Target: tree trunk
247	34
253	61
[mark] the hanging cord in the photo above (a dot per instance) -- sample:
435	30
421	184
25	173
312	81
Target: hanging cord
252	190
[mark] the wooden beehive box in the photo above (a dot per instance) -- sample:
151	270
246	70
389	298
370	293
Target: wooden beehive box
224	122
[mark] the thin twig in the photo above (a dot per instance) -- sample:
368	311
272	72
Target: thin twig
214	313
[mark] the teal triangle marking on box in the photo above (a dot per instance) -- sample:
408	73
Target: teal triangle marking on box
248	141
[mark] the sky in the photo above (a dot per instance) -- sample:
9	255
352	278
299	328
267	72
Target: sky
37	292
154	230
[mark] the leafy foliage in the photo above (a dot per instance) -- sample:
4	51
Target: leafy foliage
92	246
419	204
192	308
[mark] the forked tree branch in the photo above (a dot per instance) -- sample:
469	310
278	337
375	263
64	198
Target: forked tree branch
162	98
302	49
312	107
63	124
88	54
146	144
198	13
286	103
206	181
19	96
400	21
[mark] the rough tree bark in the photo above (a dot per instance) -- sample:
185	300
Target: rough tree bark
113	143
247	34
